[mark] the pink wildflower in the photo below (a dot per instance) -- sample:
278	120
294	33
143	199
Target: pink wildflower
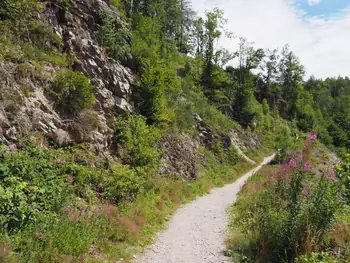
312	136
307	167
82	208
87	213
70	179
305	192
292	163
108	212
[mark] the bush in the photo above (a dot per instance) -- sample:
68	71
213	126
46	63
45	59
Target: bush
122	183
160	86
343	172
140	142
73	91
292	214
21	23
29	184
86	122
114	37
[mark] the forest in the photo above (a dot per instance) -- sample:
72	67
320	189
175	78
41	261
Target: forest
70	203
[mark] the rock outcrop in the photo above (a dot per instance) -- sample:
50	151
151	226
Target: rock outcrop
25	103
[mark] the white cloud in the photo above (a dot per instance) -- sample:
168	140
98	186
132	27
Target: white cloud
313	2
321	44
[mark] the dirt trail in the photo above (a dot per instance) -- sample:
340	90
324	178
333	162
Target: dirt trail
196	232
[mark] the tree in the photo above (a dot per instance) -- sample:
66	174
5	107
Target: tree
266	86
290	78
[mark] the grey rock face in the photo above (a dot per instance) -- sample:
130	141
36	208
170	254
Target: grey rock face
181	157
34	110
77	29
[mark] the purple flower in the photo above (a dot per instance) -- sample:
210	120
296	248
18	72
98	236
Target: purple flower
312	136
82	208
70	179
307	167
292	163
305	192
108	212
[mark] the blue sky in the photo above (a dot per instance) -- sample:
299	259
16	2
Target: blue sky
325	8
318	31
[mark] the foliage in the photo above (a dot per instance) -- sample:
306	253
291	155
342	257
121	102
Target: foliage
25	33
160	85
290	215
343	172
140	141
52	198
73	91
114	37
31	184
322	257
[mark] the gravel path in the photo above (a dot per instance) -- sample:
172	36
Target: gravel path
196	232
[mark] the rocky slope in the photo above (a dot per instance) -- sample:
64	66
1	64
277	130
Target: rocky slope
27	107
24	111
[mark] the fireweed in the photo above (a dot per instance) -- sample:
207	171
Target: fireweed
295	211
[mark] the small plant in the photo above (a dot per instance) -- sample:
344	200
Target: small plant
12	100
73	91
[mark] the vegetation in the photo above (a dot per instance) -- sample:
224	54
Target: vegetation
72	204
73	91
288	213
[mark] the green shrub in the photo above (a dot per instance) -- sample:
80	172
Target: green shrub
22	24
160	86
73	91
228	156
114	37
122	183
30	183
86	122
140	142
343	172
12	99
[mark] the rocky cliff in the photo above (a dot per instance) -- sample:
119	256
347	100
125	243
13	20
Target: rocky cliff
26	105
28	109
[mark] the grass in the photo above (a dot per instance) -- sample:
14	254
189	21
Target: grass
258	202
92	229
150	212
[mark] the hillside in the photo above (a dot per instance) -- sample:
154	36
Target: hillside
113	113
